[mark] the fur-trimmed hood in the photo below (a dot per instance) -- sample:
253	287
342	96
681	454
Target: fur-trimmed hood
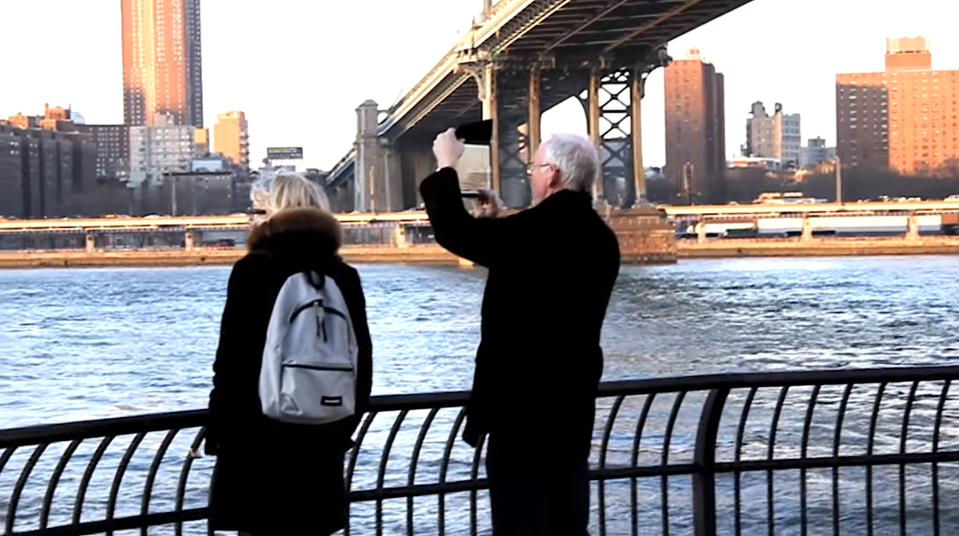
299	232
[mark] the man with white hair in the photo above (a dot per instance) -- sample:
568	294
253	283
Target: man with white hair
552	268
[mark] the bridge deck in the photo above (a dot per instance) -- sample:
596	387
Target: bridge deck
412	217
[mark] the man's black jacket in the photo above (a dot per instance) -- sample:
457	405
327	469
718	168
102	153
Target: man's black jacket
551	272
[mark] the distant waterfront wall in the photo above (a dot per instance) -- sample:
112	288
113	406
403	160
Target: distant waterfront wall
645	237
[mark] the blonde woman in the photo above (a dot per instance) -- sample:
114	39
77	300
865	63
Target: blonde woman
271	477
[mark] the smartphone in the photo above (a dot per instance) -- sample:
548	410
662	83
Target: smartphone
474	170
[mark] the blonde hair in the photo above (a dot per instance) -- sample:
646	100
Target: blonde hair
285	190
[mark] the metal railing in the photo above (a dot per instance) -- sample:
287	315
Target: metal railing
852	451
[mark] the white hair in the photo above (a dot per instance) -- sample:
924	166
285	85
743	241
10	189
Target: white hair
576	160
279	190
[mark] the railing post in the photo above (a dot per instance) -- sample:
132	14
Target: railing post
704	458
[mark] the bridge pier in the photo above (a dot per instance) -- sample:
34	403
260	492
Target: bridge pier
593	111
534	114
399	236
370	167
190	239
637	90
90	242
342	196
912	227
416	162
806	228
393	190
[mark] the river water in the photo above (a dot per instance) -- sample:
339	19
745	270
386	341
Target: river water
90	343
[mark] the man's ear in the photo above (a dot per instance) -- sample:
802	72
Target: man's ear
554	181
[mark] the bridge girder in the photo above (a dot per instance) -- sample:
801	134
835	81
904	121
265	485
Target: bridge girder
566	42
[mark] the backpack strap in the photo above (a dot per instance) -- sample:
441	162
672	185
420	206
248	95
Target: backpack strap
316	279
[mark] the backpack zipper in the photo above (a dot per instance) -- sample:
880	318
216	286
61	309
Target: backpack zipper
320	367
320	321
315	303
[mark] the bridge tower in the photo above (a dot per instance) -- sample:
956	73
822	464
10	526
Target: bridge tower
378	185
613	106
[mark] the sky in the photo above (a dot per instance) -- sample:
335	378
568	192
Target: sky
300	68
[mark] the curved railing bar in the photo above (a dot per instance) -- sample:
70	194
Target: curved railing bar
55	480
903	438
414	461
664	460
444	467
21	483
474	476
118	476
151	475
737	458
935	450
869	451
637	439
807	424
351	466
87	475
770	456
836	444
185	474
384	460
604	446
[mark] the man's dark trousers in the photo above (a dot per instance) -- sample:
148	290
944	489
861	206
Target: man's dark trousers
530	499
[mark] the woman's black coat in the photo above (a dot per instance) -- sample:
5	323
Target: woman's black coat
270	476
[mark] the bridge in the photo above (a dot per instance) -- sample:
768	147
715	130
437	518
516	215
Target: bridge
240	222
395	228
519	59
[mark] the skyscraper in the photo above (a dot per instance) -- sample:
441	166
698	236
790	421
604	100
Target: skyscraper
162	68
904	118
231	138
695	127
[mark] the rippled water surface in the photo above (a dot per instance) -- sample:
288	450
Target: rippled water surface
81	344
77	344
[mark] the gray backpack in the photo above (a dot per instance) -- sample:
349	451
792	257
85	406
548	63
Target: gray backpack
308	373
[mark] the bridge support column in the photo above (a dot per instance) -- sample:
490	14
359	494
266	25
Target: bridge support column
486	80
90	242
514	186
399	236
370	192
912	227
503	90
416	163
806	228
637	90
613	104
534	114
609	119
592	126
393	180
190	239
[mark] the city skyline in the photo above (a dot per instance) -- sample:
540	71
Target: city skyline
262	77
